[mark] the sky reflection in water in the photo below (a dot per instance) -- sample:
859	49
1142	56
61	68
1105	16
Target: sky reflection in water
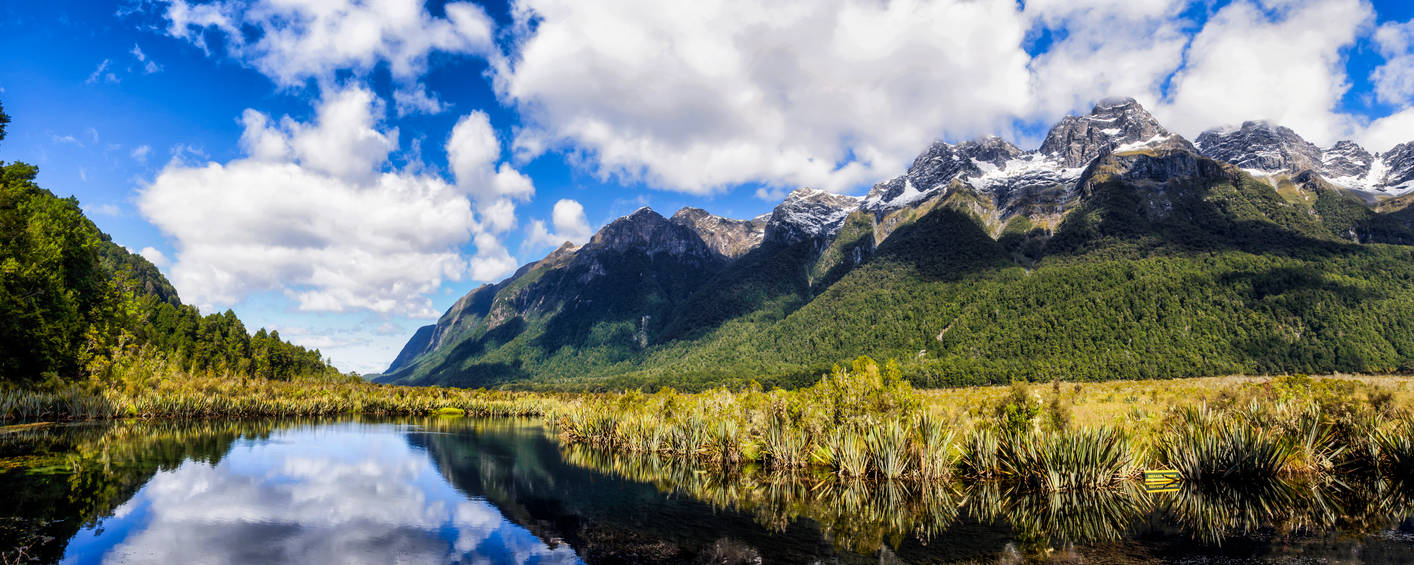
347	493
441	490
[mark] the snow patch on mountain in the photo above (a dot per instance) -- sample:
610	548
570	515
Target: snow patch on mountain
808	214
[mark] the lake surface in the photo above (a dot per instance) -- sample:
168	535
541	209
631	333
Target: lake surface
503	491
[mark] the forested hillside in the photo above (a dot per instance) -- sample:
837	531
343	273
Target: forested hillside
75	306
1165	263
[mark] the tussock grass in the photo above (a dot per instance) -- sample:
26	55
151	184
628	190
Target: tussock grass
248	398
865	422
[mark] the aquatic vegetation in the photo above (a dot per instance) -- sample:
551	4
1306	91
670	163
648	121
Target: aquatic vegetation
860	423
981	453
1065	460
888	446
1396	449
784	445
937	453
1208	444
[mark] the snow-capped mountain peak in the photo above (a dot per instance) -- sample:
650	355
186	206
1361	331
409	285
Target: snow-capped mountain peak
809	213
1077	140
1261	146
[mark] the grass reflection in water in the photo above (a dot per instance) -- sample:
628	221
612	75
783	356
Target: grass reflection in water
865	515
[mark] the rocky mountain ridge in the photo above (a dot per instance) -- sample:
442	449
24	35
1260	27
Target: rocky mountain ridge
668	264
1271	150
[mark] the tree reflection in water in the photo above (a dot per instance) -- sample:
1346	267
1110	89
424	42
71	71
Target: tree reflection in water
613	507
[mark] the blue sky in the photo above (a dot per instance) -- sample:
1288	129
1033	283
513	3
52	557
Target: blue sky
344	170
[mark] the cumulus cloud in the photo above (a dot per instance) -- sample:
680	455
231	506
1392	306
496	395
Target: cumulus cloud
1105	48
1394	80
697	98
570	224
416	100
155	256
1278	60
310	211
473	151
291	42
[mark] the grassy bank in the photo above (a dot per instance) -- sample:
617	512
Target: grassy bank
866	422
224	397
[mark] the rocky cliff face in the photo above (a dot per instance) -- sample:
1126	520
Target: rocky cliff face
808	214
725	236
1037	184
1272	150
648	232
1261	146
1077	140
1346	159
1398	169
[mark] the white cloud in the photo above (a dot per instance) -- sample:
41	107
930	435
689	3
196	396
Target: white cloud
569	222
492	261
473	152
155	256
696	98
416	100
102	74
296	41
148	65
1106	48
1394	80
343	142
140	153
311	212
1278	61
1385	133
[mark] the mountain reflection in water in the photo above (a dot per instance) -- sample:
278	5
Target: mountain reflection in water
502	491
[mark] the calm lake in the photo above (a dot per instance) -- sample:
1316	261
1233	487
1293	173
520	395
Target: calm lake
504	491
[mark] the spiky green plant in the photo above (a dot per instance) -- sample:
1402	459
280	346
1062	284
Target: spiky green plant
1396	448
980	452
889	449
1209	445
785	446
936	450
725	442
1065	460
851	454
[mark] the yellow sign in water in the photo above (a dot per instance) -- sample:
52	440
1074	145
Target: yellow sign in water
1161	480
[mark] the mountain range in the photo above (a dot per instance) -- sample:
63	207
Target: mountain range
1117	249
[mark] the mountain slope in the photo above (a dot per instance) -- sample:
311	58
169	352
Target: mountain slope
600	304
1116	250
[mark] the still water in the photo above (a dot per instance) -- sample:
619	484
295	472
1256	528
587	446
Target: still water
503	491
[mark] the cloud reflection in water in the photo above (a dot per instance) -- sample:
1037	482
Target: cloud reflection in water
341	494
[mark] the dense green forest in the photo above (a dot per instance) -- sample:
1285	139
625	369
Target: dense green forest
75	306
1216	273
